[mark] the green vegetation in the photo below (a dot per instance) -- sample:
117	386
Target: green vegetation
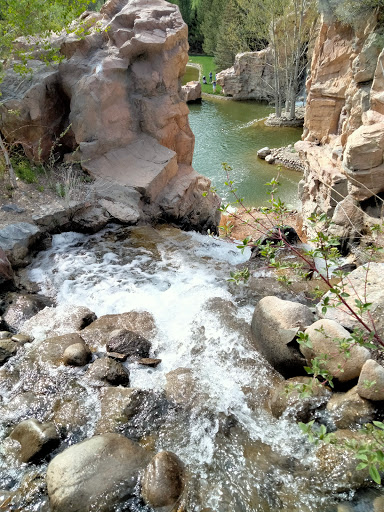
206	64
271	236
24	169
349	11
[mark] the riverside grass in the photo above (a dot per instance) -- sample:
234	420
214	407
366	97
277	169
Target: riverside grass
206	64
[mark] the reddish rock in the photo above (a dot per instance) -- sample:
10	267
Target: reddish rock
6	272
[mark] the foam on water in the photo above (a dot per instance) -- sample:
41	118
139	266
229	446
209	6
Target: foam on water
181	279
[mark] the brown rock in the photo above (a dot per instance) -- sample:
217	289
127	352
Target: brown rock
322	334
148	361
106	371
349	409
52	349
371	381
98	332
36	439
8	348
292	403
163	481
77	354
6	272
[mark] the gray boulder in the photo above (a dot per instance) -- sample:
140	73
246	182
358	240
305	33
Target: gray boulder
17	239
24	307
163	481
36	439
96	474
323	335
129	343
263	152
275	324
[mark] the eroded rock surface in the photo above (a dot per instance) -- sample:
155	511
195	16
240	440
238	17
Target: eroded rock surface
251	76
119	91
343	138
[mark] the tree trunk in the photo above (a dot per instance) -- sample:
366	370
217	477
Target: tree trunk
8	163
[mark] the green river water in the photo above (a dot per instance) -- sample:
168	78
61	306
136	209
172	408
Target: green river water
226	131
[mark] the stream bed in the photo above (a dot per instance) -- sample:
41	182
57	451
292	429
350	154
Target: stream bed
239	458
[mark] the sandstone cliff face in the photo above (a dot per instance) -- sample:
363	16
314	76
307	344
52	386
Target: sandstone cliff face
343	140
250	78
119	92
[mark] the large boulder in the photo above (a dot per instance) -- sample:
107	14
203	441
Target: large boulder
275	324
348	410
23	307
324	336
98	474
191	92
118	92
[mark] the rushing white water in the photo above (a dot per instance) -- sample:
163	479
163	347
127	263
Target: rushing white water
240	458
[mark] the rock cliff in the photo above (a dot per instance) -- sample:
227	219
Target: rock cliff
343	140
114	103
250	78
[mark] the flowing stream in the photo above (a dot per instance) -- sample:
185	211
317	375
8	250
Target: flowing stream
240	459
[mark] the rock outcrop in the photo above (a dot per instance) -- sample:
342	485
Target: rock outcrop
250	78
115	104
343	140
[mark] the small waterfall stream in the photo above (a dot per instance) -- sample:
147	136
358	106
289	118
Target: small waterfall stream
239	457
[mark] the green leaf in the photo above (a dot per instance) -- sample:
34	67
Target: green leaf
362	465
375	474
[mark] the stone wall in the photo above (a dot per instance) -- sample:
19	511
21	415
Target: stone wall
250	78
117	97
343	139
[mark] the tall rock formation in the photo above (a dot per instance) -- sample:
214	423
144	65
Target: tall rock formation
250	78
116	98
343	140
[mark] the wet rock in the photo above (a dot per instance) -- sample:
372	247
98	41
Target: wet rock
77	354
273	237
58	321
113	404
148	361
24	307
181	387
275	324
17	239
107	371
51	350
263	152
98	474
322	335
69	414
8	348
289	401
270	159
117	356
36	439
337	464
348	409
5	335
163	481
6	273
97	334
371	381
129	343
22	339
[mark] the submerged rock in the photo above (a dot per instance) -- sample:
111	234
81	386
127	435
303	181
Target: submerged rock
163	481
98	474
8	348
36	439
